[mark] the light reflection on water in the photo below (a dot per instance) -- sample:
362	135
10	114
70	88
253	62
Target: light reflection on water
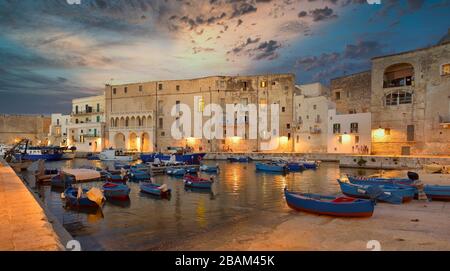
145	222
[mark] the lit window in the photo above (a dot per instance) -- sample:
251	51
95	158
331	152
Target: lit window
263	84
445	69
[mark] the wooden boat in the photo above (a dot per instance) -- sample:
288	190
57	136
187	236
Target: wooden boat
239	159
197	182
67	177
119	166
176	171
83	198
379	181
292	166
210	169
116	191
310	164
116	155
437	192
272	167
327	205
386	193
40	153
155	189
116	178
138	176
185	158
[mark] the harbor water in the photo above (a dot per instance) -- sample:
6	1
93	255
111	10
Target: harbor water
144	222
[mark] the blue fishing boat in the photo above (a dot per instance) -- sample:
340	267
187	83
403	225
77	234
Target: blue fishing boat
116	178
188	158
121	166
67	177
79	198
391	194
92	157
209	169
62	181
378	181
292	166
327	205
138	176
116	191
196	182
272	167
176	171
310	164
140	167
155	189
40	153
239	159
437	192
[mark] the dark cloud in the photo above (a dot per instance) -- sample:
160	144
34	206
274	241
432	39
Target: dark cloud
267	50
240	48
363	50
302	14
242	9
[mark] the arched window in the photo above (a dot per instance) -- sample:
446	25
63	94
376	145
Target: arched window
127	122
112	122
398	97
398	75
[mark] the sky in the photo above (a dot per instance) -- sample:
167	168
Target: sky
52	51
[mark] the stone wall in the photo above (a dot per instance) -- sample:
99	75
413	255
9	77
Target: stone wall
352	93
430	100
16	127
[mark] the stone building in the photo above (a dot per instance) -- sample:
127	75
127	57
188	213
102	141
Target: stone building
311	105
87	126
352	93
16	127
410	102
139	114
58	130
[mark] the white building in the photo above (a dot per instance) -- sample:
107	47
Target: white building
349	133
87	126
311	105
58	130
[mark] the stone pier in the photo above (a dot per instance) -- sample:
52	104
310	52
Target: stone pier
24	225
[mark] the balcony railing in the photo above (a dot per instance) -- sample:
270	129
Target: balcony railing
89	112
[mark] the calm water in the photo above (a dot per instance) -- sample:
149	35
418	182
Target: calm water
146	222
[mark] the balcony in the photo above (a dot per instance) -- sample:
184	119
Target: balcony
315	131
444	121
85	113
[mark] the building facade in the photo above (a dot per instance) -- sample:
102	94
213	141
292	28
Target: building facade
86	129
59	130
352	93
148	107
349	133
311	105
410	102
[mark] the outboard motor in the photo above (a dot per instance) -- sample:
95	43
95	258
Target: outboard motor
413	176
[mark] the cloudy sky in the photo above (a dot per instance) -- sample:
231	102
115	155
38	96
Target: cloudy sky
52	52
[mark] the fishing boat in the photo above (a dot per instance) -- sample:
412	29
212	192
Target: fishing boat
385	193
40	153
191	170
116	155
310	164
116	178
67	177
176	171
138	176
209	169
239	159
378	181
155	189
292	166
197	182
187	158
3	149
140	167
116	191
272	167
83	198
327	205
437	192
92	157
119	166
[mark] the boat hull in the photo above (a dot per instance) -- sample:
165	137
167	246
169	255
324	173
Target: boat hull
271	168
116	191
72	200
193	159
321	205
154	190
390	194
36	157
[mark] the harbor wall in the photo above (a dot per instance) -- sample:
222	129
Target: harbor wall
25	225
16	127
351	161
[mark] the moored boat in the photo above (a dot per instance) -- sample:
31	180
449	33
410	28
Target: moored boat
209	169
116	191
40	153
138	176
176	171
83	198
386	193
310	164
188	158
272	167
197	182
116	155
292	166
379	181
67	177
327	205
155	189
239	159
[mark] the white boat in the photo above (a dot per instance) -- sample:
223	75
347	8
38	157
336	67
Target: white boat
116	155
68	155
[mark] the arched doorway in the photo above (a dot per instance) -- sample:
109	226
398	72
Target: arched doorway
119	141
145	142
133	140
